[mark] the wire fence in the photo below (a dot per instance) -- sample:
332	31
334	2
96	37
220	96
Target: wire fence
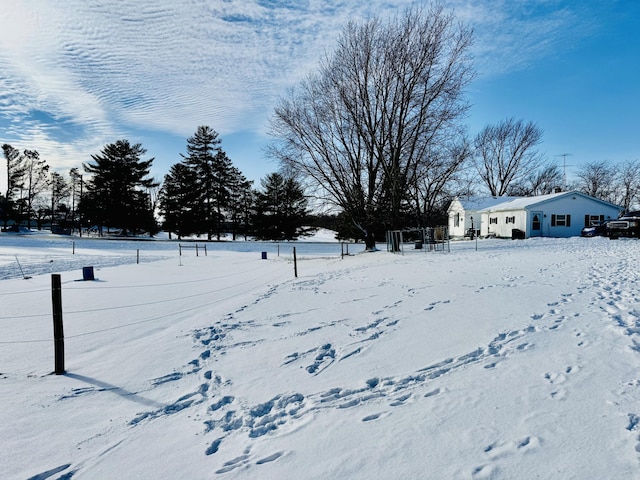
26	317
246	282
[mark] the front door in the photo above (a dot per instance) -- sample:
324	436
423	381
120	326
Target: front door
536	224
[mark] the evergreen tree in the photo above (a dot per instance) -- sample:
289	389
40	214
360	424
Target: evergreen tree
178	201
213	173
116	194
202	149
281	208
241	201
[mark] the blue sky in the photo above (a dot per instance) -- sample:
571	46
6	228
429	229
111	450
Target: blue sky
78	74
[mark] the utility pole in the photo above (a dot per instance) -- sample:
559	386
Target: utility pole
564	169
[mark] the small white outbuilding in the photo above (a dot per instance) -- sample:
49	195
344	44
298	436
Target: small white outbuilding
561	214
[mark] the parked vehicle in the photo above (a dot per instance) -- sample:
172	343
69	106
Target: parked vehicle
628	225
596	229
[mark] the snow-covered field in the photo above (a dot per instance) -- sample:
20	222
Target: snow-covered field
518	360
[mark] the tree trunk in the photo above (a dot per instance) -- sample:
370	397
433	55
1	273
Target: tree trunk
369	240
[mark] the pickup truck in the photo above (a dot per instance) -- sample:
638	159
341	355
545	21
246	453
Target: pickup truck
627	225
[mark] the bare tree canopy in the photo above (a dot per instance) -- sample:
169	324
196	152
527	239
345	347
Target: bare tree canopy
628	191
618	183
597	179
506	154
365	125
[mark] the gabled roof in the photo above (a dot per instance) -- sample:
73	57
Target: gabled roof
497	204
475	203
522	203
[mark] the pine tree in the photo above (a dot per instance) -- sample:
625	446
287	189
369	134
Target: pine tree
281	208
213	175
116	194
241	201
178	201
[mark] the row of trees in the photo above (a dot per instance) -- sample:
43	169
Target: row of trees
34	192
202	194
206	194
378	132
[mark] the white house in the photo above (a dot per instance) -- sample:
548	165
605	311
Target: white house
561	214
465	214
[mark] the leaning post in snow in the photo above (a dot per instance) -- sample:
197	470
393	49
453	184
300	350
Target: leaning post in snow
58	332
137	256
295	263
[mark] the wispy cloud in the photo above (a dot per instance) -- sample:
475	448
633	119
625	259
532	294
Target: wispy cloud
98	68
514	34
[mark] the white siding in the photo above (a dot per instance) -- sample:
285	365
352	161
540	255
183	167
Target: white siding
456	227
504	221
499	216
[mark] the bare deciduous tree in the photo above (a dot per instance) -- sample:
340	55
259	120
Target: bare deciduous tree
36	179
628	184
546	179
506	154
432	191
15	176
598	179
361	129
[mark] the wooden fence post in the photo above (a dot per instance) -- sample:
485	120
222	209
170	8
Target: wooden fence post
58	331
295	263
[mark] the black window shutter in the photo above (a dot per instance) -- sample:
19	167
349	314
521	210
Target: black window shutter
553	220
568	220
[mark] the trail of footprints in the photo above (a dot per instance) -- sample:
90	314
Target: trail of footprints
617	299
229	416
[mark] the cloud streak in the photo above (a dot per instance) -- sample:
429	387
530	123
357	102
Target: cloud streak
99	68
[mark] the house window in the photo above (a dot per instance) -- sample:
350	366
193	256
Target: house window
560	220
456	220
493	220
510	219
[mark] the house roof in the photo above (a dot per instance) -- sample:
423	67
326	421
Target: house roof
496	204
482	203
521	203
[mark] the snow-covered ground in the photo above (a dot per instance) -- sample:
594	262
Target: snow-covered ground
518	360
